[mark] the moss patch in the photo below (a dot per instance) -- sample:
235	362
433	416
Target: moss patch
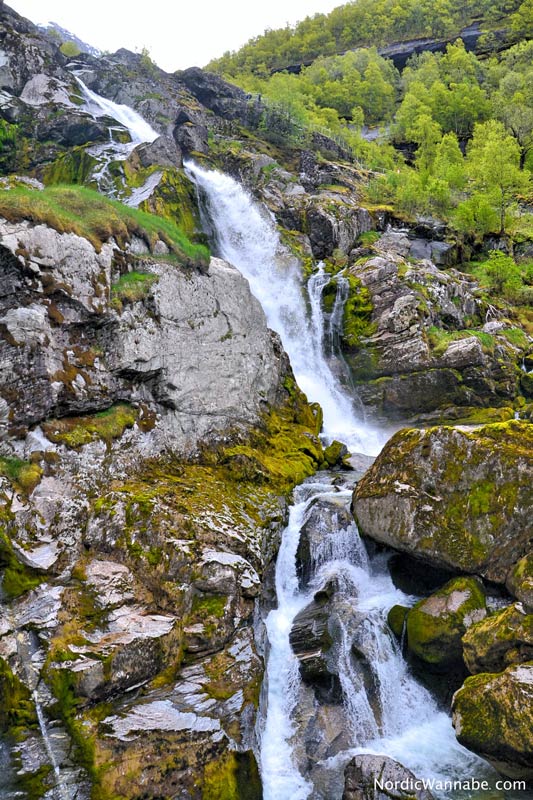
24	475
435	625
106	425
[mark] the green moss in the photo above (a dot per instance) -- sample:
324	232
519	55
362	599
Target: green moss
16	577
77	209
357	323
233	776
396	619
107	425
17	709
73	167
439	339
23	474
209	606
436	624
174	199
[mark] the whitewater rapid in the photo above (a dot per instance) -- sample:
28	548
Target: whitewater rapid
403	720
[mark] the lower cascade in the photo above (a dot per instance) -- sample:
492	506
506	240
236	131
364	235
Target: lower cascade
321	705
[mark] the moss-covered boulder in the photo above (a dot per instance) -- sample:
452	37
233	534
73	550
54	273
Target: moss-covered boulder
436	625
458	498
500	640
396	618
520	581
492	717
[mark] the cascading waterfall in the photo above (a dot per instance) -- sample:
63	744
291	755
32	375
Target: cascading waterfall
114	150
247	238
398	717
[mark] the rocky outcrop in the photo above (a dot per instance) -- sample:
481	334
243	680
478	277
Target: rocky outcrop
502	639
436	625
369	777
458	498
418	351
492	717
71	352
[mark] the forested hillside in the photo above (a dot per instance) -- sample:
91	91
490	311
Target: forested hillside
363	23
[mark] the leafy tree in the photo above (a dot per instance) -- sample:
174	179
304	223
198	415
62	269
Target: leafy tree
504	275
493	164
449	162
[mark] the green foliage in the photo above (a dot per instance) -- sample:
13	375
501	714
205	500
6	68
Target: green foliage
493	165
87	213
70	49
358	24
8	146
107	425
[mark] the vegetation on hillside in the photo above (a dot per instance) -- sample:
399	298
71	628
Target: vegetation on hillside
366	22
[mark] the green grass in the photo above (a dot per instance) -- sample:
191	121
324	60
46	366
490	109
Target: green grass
85	212
439	339
131	287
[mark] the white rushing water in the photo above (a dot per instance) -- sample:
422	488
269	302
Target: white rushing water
115	150
248	238
386	709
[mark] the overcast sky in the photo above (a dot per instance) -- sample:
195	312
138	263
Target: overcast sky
178	33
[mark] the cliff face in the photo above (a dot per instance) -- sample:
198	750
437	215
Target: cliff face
135	566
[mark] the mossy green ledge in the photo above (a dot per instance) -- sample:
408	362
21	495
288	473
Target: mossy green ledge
455	497
492	717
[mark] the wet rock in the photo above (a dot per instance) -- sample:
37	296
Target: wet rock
492	717
225	99
311	640
335	453
369	777
328	530
416	352
520	582
502	639
435	626
163	152
457	498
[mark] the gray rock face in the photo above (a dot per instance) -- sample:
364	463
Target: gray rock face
55	308
369	777
456	497
417	356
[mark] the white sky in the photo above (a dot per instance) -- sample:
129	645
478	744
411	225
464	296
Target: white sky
178	33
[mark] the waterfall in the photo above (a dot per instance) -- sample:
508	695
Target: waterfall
139	130
115	150
247	237
385	709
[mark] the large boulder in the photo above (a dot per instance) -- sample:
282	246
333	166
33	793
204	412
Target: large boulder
435	625
492	717
369	777
457	498
500	640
